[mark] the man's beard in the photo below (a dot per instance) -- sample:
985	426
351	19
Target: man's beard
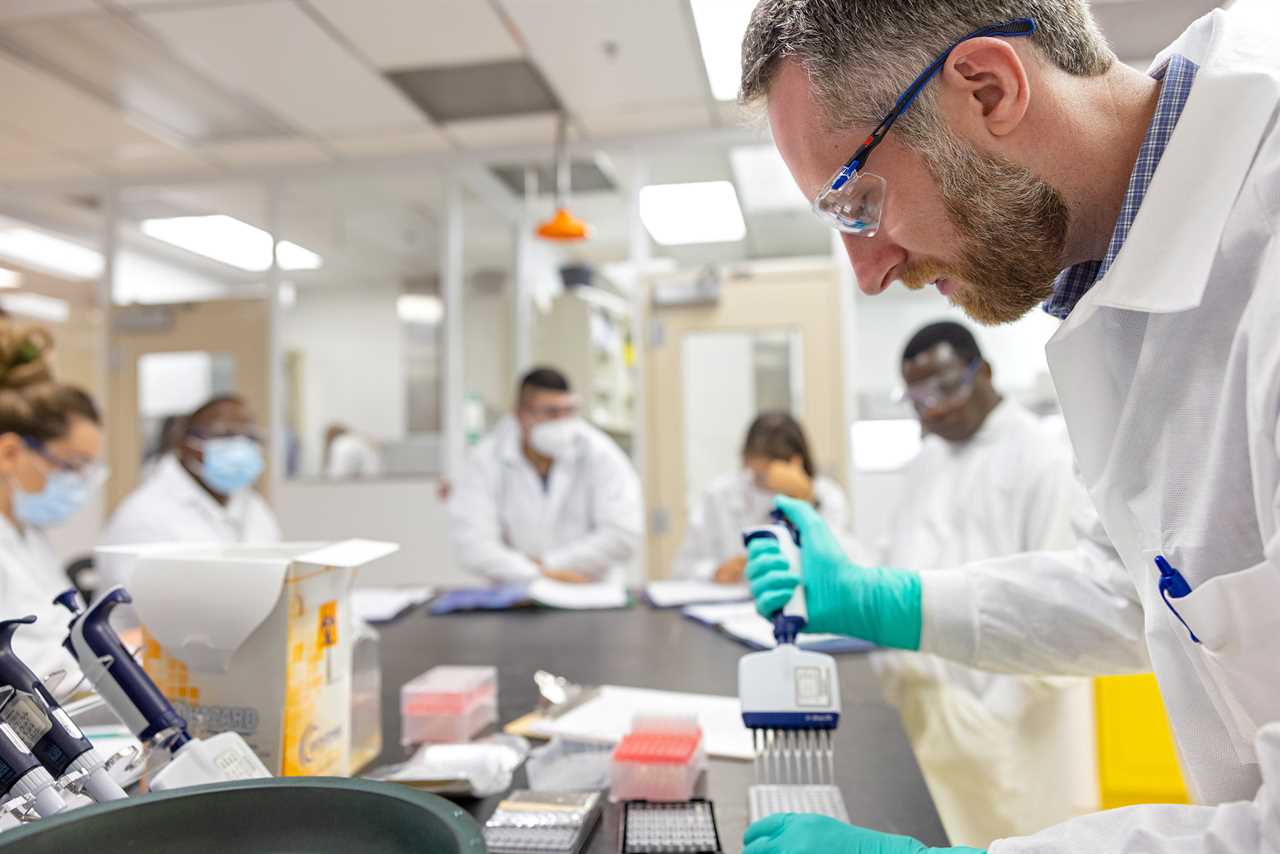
1012	229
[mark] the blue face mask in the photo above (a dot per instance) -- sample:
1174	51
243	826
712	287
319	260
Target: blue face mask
64	493
231	463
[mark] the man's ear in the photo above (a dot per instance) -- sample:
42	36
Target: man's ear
985	86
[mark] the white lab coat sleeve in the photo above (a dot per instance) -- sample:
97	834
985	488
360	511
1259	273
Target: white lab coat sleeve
698	557
616	511
475	528
1050	613
1239	827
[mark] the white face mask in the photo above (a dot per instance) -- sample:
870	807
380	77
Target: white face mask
555	438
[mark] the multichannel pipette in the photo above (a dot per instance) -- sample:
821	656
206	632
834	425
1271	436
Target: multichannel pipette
134	697
791	703
46	729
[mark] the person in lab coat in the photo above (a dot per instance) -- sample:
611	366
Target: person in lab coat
349	455
1144	210
50	446
203	491
546	495
1003	755
775	459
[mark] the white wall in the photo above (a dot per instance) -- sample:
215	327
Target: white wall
406	511
353	365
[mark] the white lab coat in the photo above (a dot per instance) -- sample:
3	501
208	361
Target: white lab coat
352	456
171	506
730	503
586	518
1169	376
30	576
1003	755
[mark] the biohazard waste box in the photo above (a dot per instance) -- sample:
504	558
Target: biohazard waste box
257	640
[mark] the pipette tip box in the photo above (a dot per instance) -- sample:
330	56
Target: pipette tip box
659	760
448	704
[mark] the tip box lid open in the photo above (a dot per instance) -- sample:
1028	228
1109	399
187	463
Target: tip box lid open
202	602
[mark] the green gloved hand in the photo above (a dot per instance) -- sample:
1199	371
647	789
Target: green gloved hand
790	833
878	604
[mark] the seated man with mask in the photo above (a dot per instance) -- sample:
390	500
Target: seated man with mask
546	494
203	491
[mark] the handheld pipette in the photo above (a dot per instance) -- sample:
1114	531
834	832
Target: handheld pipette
23	778
139	703
46	728
791	703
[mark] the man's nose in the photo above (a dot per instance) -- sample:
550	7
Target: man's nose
872	259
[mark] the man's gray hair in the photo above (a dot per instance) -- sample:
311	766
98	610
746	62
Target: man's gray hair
860	54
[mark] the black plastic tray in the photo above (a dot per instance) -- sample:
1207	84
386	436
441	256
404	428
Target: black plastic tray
289	815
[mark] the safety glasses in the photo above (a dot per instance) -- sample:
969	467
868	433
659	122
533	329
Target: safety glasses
853	200
93	472
950	384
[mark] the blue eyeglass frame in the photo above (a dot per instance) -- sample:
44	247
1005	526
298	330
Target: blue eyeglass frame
1018	27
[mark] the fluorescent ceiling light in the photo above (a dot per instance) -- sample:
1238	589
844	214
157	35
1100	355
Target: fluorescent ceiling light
37	307
229	240
705	212
766	182
721	25
9	278
50	254
419	308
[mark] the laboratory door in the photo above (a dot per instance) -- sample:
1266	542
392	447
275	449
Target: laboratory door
770	341
168	359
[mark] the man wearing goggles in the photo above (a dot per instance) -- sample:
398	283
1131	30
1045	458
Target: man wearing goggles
1000	151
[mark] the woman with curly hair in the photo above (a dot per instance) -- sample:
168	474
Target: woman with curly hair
50	445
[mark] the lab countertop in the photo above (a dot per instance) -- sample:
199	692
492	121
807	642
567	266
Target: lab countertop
645	648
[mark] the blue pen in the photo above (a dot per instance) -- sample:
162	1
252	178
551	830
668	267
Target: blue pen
1173	586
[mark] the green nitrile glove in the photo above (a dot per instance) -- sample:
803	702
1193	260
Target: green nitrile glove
878	604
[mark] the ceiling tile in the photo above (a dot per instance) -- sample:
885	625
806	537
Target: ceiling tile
493	133
615	58
390	143
112	57
17	10
261	152
277	54
646	121
462	92
396	34
59	114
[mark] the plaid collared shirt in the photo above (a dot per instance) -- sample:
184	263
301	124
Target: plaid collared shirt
1178	74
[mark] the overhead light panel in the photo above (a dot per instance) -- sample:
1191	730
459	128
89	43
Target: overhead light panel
703	212
419	308
9	278
37	307
46	253
231	241
765	180
721	25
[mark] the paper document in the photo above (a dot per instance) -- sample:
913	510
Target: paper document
741	622
672	594
577	597
380	604
607	718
